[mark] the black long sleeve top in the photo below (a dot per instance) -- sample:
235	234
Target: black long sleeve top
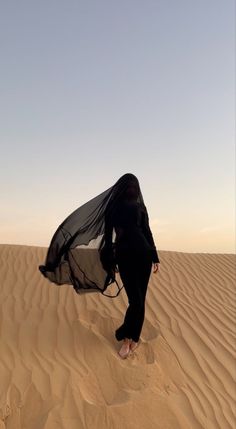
131	224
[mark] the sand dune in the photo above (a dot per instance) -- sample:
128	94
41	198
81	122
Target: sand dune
59	367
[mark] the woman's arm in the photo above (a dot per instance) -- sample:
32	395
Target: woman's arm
148	234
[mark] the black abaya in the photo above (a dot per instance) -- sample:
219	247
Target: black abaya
135	253
83	249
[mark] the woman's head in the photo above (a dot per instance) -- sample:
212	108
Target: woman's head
128	187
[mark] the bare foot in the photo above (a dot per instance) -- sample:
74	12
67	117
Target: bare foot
133	345
125	349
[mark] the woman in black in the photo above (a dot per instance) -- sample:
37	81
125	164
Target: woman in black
135	252
90	228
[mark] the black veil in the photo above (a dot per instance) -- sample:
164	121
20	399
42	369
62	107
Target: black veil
79	254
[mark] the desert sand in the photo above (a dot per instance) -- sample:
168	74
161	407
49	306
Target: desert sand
59	367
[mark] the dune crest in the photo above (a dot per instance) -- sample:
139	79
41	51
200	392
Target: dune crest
59	366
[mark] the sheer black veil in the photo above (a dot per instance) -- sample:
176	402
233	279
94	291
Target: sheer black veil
78	254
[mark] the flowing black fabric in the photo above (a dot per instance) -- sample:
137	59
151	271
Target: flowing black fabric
82	250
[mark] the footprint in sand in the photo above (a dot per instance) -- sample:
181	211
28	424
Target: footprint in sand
99	325
144	353
149	332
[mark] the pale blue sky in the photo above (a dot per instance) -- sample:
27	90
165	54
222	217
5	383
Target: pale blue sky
91	90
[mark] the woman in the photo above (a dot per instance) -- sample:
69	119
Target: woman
82	252
135	252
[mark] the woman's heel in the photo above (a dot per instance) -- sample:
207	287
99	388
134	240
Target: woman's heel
133	345
125	349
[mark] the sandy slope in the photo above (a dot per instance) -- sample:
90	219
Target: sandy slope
59	366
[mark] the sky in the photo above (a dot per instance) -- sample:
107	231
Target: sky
91	90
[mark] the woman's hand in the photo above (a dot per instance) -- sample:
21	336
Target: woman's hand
156	267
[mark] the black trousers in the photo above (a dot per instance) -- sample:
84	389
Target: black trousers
135	269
